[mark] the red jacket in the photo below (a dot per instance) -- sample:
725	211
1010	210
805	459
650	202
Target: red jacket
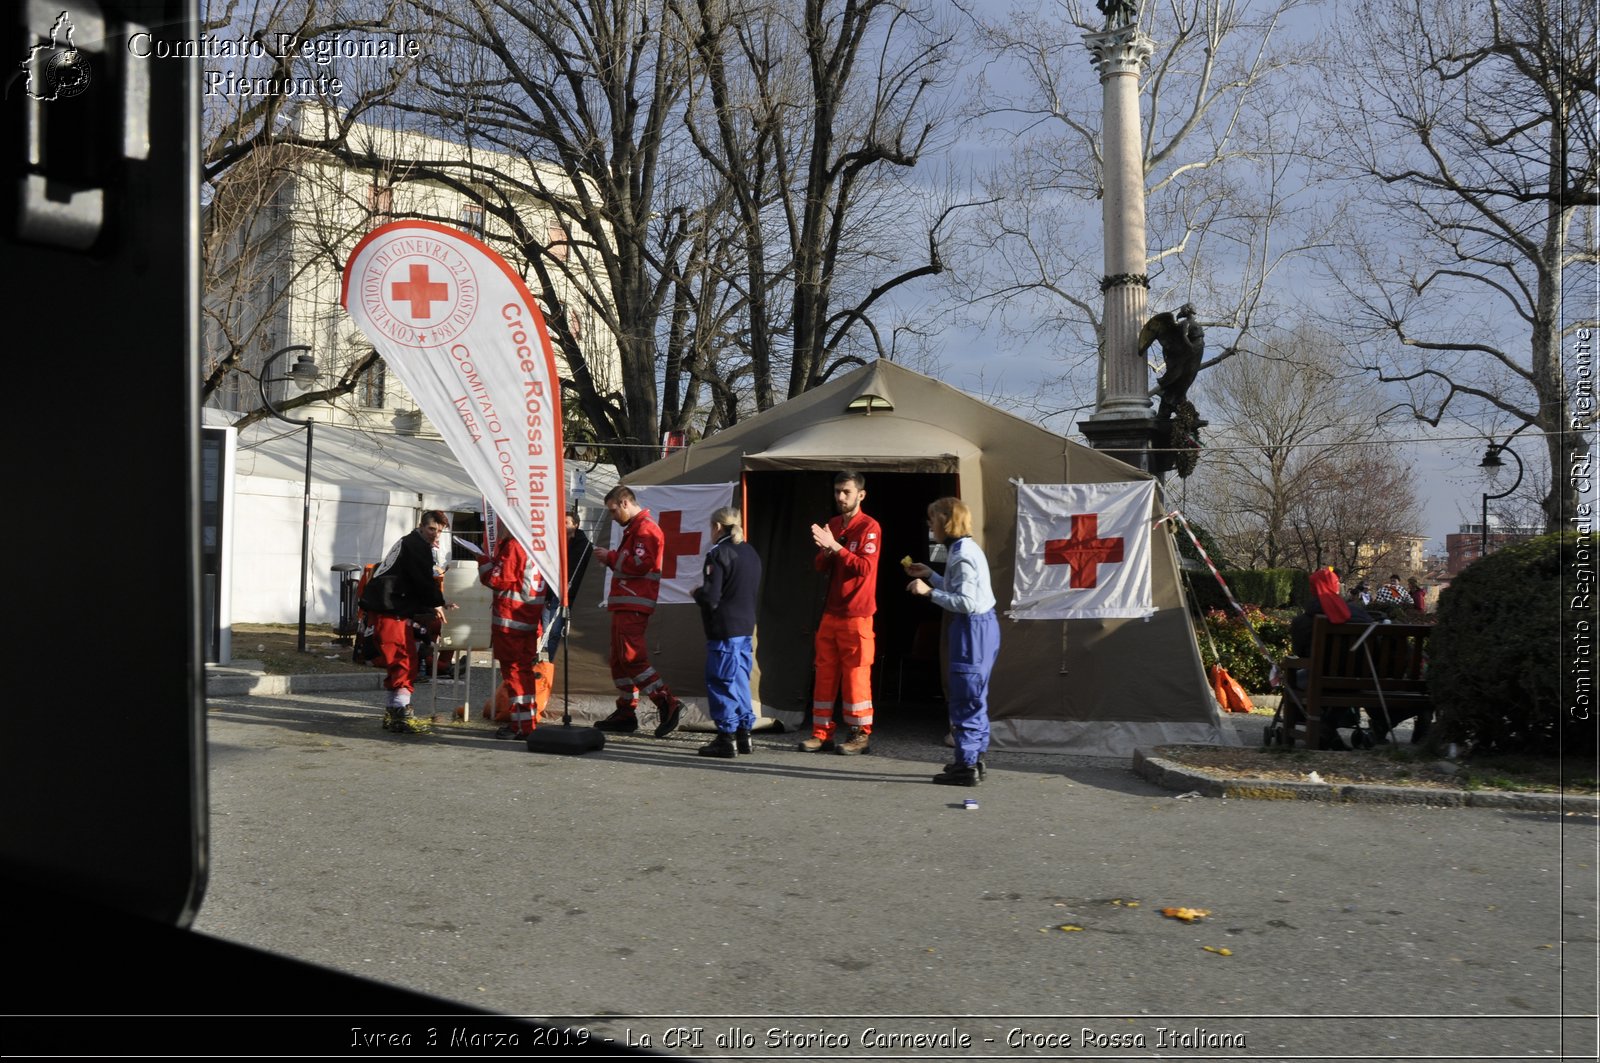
518	589
853	583
636	566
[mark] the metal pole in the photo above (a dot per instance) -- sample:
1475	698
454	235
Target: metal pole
305	521
305	535
1483	530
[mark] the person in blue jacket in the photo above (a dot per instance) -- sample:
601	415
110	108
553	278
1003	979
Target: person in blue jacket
974	639
727	601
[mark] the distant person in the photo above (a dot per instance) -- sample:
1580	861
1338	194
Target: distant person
1393	593
1362	594
1323	600
635	582
1419	594
965	592
515	624
402	589
847	550
727	600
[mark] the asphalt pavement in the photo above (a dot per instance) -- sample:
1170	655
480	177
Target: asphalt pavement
813	906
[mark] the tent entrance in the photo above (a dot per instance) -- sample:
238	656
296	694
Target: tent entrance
780	507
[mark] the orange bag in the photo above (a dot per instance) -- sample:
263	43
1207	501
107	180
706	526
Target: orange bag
498	708
1229	692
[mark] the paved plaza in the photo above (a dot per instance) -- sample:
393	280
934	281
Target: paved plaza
791	905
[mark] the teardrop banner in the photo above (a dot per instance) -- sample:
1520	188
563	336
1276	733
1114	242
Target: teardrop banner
462	332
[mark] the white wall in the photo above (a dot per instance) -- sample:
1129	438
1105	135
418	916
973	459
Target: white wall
348	524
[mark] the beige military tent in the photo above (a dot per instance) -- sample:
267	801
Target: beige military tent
1099	687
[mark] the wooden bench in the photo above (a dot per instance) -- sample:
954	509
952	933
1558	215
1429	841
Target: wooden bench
1377	668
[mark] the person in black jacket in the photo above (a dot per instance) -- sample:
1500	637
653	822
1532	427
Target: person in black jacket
402	589
727	602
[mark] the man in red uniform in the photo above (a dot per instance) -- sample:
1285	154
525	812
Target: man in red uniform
635	581
514	627
402	589
847	549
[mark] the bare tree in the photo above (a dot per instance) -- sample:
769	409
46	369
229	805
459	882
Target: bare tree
1357	514
811	155
1226	202
1470	127
1295	426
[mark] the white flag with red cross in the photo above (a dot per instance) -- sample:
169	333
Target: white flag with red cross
1083	551
461	330
683	511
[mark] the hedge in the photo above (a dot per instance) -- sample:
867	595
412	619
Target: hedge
1269	588
1501	680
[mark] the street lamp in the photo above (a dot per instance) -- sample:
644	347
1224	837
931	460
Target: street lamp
1491	460
303	373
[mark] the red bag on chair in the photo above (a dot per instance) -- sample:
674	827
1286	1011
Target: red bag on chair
1229	692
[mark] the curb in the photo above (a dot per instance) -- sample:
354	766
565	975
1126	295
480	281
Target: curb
1173	776
224	682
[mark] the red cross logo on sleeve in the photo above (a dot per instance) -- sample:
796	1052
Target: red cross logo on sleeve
1085	551
419	292
679	543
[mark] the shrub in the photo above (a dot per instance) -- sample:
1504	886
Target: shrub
1268	588
1237	652
1493	661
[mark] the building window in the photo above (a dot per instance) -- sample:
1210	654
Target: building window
472	219
380	204
373	383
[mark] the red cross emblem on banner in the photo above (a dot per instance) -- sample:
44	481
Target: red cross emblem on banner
1085	551
419	292
679	543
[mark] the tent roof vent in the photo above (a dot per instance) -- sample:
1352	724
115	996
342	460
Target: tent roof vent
871	394
866	403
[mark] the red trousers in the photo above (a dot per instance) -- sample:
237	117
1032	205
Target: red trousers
397	653
515	652
631	669
845	649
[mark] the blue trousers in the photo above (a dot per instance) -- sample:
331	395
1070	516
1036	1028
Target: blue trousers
974	642
728	664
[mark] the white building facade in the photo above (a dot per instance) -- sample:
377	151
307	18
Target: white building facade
278	233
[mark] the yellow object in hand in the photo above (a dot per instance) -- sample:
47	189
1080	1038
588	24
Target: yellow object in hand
905	562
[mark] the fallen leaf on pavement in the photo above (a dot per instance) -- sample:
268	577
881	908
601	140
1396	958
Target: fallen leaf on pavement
1187	915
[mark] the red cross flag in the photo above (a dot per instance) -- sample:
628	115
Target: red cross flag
1083	551
462	332
684	513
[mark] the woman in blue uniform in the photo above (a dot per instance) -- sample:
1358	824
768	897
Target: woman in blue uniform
974	640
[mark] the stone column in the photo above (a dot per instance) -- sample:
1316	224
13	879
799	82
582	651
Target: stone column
1122	417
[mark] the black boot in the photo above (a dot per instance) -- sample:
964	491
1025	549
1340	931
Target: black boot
623	721
741	740
720	746
957	775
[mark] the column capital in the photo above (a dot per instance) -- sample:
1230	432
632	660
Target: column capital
1123	50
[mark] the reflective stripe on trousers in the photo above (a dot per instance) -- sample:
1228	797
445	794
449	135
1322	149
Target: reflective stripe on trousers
845	648
631	669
